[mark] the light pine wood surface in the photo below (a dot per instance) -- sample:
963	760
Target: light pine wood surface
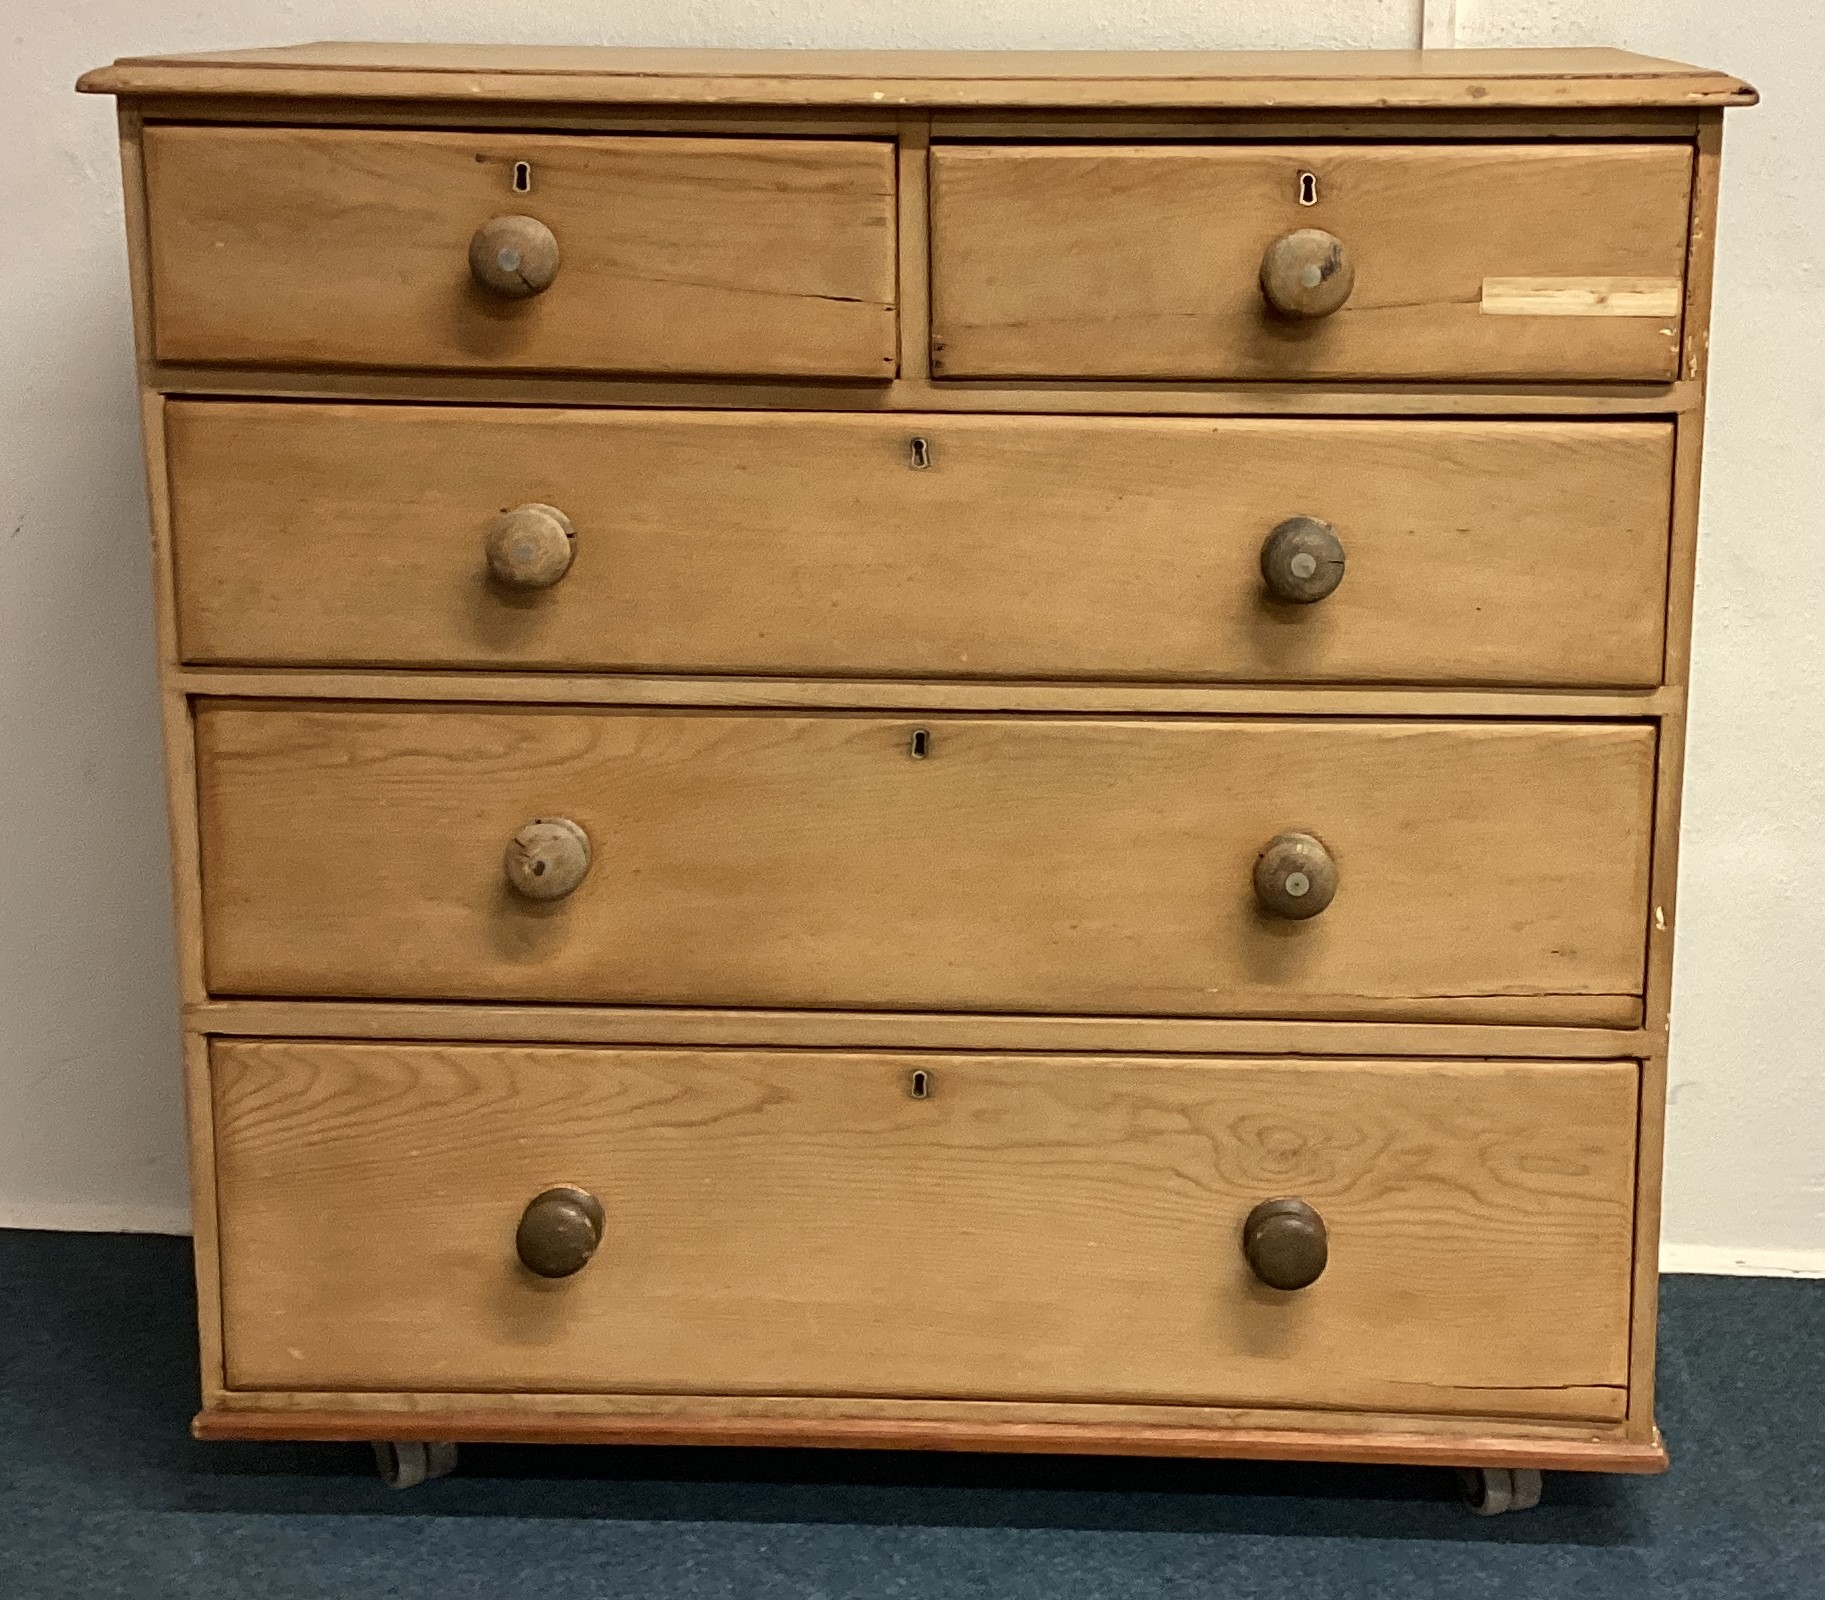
1026	548
1499	742
922	1030
794	1423
552	75
1051	1228
923	694
1491	872
349	247
1143	261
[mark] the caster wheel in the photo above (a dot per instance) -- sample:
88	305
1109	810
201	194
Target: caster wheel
406	1463
1491	1491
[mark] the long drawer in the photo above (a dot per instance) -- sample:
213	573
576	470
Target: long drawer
922	546
1015	1227
1538	261
1493	871
363	248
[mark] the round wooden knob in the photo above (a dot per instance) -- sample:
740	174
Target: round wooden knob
1295	876
547	858
514	256
1285	1243
1302	560
1307	273
530	547
559	1231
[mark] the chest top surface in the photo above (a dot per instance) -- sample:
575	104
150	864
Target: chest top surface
1206	79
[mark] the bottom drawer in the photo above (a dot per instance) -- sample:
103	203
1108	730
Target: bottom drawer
1017	1227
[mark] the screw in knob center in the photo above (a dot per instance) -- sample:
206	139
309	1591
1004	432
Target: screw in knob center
1295	876
1301	560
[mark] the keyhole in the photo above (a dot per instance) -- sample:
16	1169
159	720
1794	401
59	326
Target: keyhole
921	455
921	1086
522	177
921	745
1308	188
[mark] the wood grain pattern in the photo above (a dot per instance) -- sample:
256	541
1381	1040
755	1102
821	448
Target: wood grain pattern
1583	106
554	1408
798	1224
1664	882
1582	297
921	694
530	1423
1142	261
1229	125
349	247
553	75
1571	399
1492	872
921	1030
1028	548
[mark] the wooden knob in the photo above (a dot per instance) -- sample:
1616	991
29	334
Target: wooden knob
514	256
1285	1243
547	858
530	547
1295	876
1302	560
559	1231
1307	273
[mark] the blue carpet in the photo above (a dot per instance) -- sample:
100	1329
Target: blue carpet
103	1493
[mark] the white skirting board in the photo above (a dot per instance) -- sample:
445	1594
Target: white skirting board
1709	1259
1723	1261
68	1217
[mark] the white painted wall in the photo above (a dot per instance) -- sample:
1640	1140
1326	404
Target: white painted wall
90	1133
1746	1128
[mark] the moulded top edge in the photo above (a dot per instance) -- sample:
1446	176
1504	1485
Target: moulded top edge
1364	80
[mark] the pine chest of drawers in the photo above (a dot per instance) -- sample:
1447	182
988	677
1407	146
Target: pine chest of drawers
947	751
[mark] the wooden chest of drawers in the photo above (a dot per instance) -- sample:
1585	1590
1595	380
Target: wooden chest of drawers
948	751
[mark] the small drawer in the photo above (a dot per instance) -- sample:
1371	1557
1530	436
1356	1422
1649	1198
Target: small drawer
756	1222
1474	552
1544	261
486	251
1435	870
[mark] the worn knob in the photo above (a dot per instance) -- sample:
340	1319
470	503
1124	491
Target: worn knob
547	858
530	547
514	256
1285	1243
1307	273
1295	876
559	1231
1302	560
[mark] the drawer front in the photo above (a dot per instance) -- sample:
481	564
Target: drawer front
1062	1228
1475	552
1485	871
1502	261
344	247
